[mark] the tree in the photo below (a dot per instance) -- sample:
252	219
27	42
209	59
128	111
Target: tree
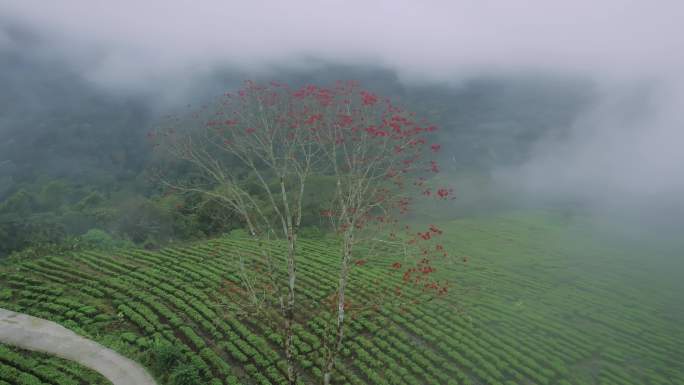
256	151
248	154
378	157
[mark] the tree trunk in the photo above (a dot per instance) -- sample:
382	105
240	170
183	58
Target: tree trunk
289	356
291	232
342	286
289	308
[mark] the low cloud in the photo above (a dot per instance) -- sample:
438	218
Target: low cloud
627	147
129	41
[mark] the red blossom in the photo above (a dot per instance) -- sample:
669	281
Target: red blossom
368	98
345	120
313	119
343	116
407	275
435	229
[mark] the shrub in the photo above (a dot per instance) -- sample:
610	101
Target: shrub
5	294
186	374
98	239
166	356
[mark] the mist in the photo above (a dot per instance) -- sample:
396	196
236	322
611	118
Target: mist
620	150
129	219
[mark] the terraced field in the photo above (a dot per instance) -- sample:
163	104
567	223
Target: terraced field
30	368
539	302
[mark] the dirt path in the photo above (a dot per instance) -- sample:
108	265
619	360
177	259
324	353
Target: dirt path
45	336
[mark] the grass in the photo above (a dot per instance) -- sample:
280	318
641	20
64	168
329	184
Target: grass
544	299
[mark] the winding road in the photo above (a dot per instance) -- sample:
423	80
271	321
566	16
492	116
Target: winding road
37	334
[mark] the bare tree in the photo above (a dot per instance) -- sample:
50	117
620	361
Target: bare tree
248	153
255	151
378	156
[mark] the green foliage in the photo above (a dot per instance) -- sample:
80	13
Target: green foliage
91	201
99	240
311	232
19	204
53	195
166	356
55	215
529	321
186	374
28	368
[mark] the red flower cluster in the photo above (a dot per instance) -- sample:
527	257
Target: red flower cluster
324	96
432	231
374	131
368	99
393	144
345	120
313	119
435	229
444	192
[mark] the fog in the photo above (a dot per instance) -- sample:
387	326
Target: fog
622	151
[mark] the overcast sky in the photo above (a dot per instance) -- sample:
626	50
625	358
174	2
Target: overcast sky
130	40
628	47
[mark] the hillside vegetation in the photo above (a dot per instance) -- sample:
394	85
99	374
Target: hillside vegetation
540	300
22	367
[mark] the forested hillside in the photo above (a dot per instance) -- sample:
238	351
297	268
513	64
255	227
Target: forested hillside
75	157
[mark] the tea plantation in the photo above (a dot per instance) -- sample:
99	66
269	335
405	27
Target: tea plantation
540	301
28	368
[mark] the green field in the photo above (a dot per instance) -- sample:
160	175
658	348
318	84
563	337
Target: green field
542	300
30	368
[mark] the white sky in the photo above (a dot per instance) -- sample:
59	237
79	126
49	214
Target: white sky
134	39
